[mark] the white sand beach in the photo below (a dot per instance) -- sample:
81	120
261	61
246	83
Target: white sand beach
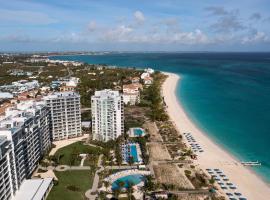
247	182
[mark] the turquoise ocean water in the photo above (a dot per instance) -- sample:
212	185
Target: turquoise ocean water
226	94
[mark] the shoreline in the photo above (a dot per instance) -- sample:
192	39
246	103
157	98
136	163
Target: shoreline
247	182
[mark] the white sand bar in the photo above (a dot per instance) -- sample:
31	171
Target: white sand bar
248	183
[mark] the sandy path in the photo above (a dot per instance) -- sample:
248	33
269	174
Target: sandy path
62	143
248	183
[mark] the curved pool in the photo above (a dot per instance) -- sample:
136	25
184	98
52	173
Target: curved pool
134	179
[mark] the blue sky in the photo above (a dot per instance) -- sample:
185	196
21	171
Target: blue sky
142	25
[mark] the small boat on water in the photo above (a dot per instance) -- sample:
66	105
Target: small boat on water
251	163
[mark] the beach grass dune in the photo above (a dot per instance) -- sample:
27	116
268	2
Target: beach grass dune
247	182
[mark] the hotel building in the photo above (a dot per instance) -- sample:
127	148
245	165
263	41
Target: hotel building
65	112
131	93
107	115
25	138
8	183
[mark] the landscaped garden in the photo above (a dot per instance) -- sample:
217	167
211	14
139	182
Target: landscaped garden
71	185
69	155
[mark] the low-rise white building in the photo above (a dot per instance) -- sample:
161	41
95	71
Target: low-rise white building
144	75
149	70
34	189
148	80
18	87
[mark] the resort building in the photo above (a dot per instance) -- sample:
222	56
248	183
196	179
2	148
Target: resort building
131	93
66	88
149	70
25	128
146	76
135	80
148	80
71	81
65	113
20	86
8	184
107	115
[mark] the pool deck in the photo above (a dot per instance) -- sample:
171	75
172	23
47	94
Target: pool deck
112	178
125	148
132	132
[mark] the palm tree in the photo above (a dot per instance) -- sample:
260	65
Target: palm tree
130	189
131	160
212	180
116	192
149	184
121	185
106	184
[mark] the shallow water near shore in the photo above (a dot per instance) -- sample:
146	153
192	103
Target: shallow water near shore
226	94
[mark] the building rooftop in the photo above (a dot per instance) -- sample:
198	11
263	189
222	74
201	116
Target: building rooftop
133	86
61	94
16	115
106	93
33	189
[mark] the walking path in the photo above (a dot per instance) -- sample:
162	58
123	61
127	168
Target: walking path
121	167
82	161
62	143
62	168
92	193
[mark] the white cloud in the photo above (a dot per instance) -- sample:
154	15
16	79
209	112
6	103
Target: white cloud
196	37
25	17
92	26
119	34
139	16
255	38
129	35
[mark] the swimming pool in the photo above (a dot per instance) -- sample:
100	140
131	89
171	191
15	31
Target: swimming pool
131	150
138	132
133	153
134	179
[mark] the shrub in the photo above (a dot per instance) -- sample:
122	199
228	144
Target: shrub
73	188
187	172
41	171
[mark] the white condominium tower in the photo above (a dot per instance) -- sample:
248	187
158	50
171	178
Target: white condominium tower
24	139
8	182
107	115
65	111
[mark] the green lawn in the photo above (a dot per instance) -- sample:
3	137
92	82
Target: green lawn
81	179
74	150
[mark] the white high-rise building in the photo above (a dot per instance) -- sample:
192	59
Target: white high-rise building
107	115
65	111
25	138
8	181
